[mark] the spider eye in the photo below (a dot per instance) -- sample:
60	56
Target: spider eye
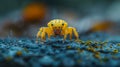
63	24
51	24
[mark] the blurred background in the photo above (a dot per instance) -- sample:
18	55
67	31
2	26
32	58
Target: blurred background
23	18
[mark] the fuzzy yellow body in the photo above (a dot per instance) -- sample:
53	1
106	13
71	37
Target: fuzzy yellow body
57	27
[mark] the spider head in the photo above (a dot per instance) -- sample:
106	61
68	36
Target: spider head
57	25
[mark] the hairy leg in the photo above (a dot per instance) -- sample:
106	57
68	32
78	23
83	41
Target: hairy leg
70	36
43	36
75	33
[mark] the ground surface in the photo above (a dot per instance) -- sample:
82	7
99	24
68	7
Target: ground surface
95	49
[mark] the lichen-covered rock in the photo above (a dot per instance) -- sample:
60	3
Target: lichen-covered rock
85	52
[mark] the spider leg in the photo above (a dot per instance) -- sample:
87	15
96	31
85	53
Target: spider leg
75	33
38	35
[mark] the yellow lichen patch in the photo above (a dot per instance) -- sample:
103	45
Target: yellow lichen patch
82	50
118	44
91	49
101	47
68	47
96	46
80	41
88	42
97	56
88	48
79	50
98	53
96	42
115	51
103	43
18	53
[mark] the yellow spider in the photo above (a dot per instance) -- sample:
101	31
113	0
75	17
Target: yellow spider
57	27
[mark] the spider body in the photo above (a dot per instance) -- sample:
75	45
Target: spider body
57	27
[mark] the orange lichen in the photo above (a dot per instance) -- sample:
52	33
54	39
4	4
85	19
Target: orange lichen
34	11
101	26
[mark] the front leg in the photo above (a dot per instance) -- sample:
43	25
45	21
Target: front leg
49	35
70	36
75	33
38	36
65	36
43	37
